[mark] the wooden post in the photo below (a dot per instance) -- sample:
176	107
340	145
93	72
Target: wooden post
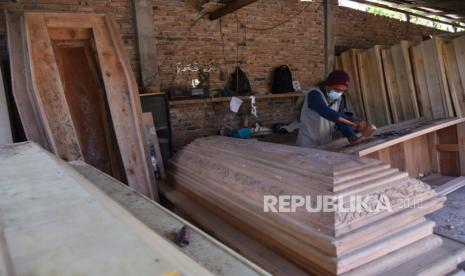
329	37
146	43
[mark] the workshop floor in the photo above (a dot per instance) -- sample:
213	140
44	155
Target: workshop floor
450	220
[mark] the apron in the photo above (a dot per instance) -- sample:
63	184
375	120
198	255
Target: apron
315	130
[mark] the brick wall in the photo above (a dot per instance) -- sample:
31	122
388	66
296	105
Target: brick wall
182	37
299	43
357	29
190	121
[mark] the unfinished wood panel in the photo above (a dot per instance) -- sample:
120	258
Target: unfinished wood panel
393	93
439	48
348	63
119	86
459	46
437	86
449	161
434	153
48	89
87	104
404	80
31	118
417	156
461	145
456	86
373	86
56	222
424	101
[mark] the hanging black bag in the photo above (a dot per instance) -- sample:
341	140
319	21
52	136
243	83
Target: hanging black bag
240	84
282	80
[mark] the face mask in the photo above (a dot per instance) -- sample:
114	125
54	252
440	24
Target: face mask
334	95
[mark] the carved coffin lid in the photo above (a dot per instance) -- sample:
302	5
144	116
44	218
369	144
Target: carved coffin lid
243	171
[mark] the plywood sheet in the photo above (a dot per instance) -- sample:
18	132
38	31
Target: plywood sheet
56	222
373	86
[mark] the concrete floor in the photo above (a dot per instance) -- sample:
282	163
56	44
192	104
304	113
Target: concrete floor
450	220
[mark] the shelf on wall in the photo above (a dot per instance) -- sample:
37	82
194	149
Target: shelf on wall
227	99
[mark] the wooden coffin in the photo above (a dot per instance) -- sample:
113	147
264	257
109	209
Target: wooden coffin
76	92
230	177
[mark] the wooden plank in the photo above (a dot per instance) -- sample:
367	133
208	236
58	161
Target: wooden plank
143	14
86	224
24	97
395	101
456	86
451	186
5	125
151	134
50	96
449	161
436	91
439	48
124	96
459	46
229	8
447	147
404	79
349	64
373	86
434	153
461	143
424	101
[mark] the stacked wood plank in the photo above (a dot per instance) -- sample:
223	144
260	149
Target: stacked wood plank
56	222
405	81
76	93
230	177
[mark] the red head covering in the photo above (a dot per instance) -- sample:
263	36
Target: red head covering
338	77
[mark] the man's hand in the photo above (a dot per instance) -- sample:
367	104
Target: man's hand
365	128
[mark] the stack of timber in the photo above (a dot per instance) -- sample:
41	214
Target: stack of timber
230	177
76	93
404	81
56	222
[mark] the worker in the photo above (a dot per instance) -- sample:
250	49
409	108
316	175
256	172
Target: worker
324	112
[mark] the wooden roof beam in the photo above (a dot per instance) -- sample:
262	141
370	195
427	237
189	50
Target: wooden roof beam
229	8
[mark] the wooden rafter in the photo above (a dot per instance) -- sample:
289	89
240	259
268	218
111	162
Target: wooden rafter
229	8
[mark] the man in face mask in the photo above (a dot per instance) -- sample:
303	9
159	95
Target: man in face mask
324	112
